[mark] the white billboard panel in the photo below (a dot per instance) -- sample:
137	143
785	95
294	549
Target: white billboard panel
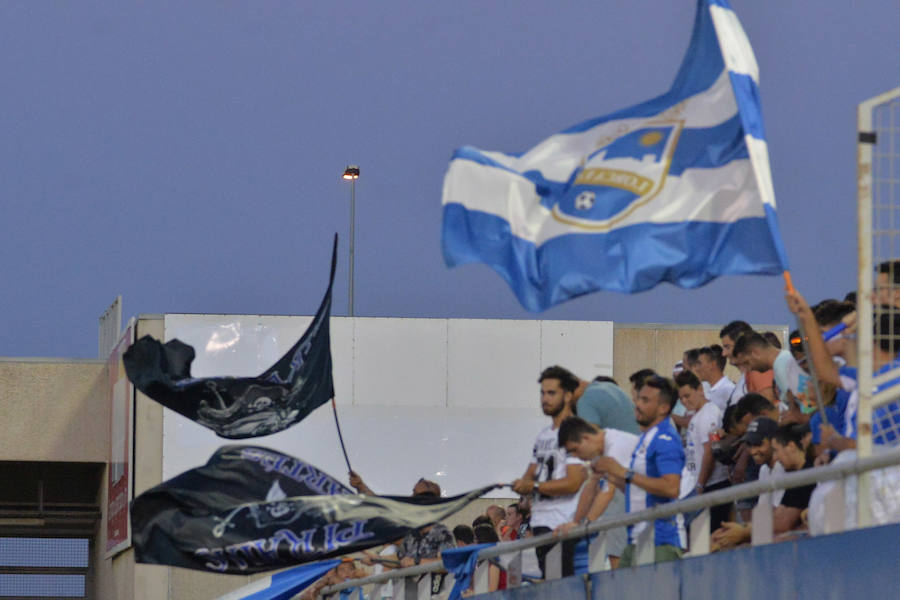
342	333
400	362
455	401
493	364
583	347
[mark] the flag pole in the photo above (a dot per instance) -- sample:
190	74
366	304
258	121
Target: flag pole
340	436
810	364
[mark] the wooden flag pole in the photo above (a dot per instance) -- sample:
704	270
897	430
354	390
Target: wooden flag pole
340	436
810	364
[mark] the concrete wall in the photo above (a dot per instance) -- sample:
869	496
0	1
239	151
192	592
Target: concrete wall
54	410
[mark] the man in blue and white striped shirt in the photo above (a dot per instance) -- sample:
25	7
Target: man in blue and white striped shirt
654	475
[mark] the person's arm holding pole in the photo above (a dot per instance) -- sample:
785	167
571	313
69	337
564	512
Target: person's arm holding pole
806	323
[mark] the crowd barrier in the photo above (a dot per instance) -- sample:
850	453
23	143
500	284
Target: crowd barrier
408	583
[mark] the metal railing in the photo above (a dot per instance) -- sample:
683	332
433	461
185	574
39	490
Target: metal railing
407	585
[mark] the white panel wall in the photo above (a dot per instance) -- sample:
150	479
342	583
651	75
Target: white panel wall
455	401
342	332
583	347
493	363
400	362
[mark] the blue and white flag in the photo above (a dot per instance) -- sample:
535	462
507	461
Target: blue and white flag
674	189
284	585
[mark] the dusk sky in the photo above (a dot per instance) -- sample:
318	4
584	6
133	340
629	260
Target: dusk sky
187	155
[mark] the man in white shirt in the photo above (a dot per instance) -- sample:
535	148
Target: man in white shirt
728	335
711	370
598	497
553	476
701	472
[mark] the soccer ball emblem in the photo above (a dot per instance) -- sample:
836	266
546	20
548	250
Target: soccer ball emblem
584	201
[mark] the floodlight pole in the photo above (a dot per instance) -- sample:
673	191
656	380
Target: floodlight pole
352	237
351	174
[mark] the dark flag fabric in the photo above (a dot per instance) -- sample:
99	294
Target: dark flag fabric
240	407
251	509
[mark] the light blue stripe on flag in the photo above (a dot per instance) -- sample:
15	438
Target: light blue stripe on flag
674	189
283	585
461	563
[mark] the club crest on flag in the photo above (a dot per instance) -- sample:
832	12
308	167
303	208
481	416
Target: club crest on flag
625	172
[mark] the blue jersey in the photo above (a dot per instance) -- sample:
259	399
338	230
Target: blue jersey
886	419
846	371
658	452
836	416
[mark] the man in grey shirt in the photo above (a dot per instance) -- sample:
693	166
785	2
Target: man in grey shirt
606	405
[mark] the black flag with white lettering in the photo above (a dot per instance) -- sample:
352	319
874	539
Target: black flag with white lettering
250	509
240	407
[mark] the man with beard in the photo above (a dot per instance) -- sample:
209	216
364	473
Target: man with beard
750	381
553	476
653	476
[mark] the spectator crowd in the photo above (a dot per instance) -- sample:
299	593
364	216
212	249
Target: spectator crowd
606	451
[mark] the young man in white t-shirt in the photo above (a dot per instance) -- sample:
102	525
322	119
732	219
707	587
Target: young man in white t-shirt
711	371
728	335
553	476
701	472
598	498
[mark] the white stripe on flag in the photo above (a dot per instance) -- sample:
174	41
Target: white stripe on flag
558	155
733	41
759	155
724	195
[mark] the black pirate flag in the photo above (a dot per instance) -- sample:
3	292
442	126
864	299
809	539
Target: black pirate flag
240	407
251	509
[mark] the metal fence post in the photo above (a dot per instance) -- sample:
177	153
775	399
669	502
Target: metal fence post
375	594
405	588
835	509
514	571
597	554
645	550
553	563
423	588
699	542
762	526
481	580
864	334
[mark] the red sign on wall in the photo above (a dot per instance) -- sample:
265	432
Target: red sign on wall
121	435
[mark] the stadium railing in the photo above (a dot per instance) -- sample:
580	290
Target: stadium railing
409	583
